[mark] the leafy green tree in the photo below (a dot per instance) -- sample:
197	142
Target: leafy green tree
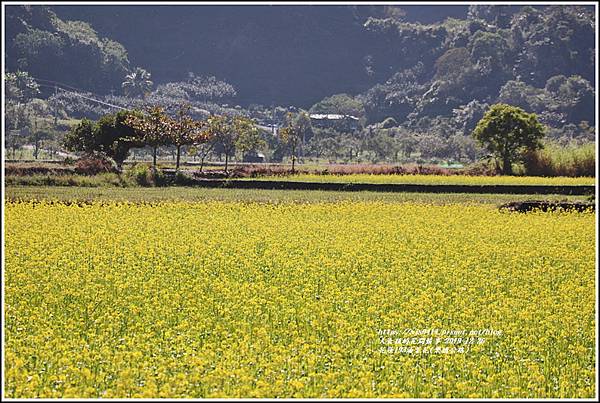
249	136
382	145
291	138
35	48
407	143
452	65
342	104
303	125
110	135
66	51
137	83
467	116
115	61
432	146
397	97
37	137
462	147
233	132
294	134
495	14
331	147
508	132
81	138
350	145
527	97
15	140
577	99
152	129
20	87
316	145
204	144
184	130
115	137
208	88
489	50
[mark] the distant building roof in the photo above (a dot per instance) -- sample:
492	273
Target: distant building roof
331	116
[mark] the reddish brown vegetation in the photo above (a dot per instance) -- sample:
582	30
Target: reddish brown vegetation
254	171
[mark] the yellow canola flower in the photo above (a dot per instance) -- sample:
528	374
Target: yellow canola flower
433	179
227	299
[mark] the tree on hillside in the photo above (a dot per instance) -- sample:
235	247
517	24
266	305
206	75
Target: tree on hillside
152	129
20	87
508	132
343	104
452	65
19	90
137	83
208	88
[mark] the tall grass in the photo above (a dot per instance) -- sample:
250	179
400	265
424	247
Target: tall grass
554	160
139	175
100	180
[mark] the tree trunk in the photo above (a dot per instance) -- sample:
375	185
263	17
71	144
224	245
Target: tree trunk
154	157
293	163
226	160
506	165
178	156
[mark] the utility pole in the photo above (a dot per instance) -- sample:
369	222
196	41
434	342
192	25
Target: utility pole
273	118
36	140
55	106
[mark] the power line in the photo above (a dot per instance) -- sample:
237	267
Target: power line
79	90
81	96
64	85
93	100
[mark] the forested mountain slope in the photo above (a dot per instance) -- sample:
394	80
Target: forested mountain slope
409	63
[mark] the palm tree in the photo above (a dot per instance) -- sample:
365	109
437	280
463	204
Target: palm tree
137	83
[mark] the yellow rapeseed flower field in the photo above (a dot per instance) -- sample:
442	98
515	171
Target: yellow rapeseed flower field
346	299
433	179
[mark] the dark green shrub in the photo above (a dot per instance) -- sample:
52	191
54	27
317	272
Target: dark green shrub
143	175
140	174
182	179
